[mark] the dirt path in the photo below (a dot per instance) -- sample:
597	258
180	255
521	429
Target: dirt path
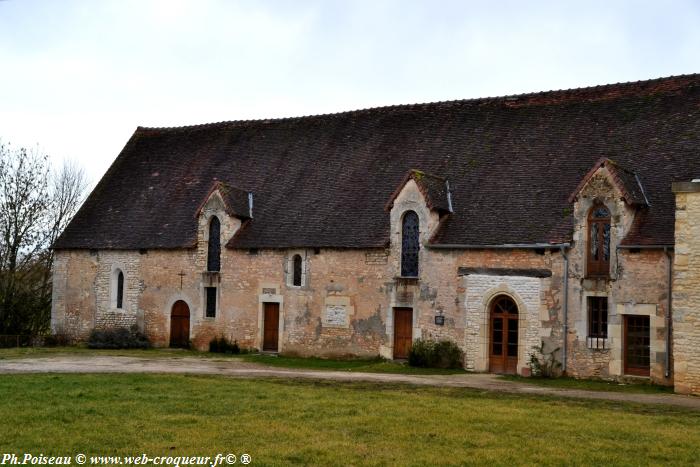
239	368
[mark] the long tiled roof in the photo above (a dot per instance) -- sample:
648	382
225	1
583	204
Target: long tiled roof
324	181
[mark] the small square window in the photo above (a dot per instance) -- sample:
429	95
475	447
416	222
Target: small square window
211	302
598	317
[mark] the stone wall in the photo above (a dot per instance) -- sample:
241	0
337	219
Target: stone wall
108	264
637	285
480	290
360	282
686	289
640	288
84	292
74	304
346	302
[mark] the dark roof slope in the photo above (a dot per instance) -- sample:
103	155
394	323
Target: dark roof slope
324	180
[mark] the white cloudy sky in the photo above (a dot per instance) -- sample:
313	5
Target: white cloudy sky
78	76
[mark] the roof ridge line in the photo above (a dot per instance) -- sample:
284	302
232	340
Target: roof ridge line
474	100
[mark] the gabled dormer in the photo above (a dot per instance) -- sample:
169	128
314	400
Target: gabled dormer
220	216
434	190
606	203
416	208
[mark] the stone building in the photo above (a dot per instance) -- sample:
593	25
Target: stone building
564	217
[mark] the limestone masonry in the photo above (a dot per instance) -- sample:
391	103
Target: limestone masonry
569	219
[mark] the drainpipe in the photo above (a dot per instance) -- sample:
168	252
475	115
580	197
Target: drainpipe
566	308
667	360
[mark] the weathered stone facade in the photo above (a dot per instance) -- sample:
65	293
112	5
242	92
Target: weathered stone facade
344	305
527	292
686	289
637	285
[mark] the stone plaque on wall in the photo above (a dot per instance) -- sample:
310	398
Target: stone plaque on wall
377	257
336	315
404	296
337	312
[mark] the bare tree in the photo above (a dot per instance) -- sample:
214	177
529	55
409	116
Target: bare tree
67	193
36	204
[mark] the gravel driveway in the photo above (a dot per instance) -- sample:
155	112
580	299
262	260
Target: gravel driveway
242	369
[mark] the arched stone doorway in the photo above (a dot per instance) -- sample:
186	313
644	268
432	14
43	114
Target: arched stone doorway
503	343
180	325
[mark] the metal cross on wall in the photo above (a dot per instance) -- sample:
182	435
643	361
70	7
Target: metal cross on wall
181	274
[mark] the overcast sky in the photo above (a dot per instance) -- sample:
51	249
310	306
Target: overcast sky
77	77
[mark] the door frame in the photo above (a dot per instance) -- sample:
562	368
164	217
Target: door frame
489	338
625	369
393	319
270	298
264	324
170	320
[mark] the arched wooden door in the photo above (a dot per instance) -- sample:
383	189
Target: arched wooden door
180	325
503	345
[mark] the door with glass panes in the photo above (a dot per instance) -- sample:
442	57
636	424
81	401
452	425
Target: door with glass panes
503	345
636	343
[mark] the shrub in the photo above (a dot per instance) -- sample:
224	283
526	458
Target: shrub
421	353
118	338
58	339
428	353
223	345
544	364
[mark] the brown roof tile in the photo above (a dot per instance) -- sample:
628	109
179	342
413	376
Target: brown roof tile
324	180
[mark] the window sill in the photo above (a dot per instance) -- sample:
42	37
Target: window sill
407	279
597	343
121	311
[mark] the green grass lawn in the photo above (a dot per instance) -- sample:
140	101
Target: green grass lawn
324	423
640	387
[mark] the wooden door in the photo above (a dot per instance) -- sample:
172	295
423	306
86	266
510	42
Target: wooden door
271	321
180	325
503	345
636	340
403	332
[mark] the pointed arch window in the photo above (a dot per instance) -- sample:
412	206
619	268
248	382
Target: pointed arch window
410	244
599	241
214	245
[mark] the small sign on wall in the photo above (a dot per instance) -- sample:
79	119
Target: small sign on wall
439	320
336	315
337	312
